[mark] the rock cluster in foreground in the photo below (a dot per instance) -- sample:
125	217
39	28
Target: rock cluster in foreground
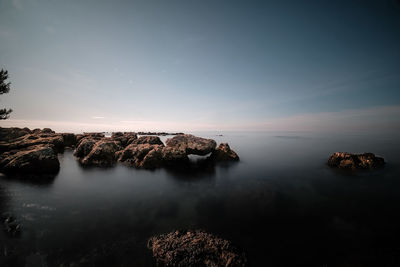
195	248
344	160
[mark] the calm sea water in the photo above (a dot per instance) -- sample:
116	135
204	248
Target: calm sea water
280	203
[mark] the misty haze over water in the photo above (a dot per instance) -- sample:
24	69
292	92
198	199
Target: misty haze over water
281	203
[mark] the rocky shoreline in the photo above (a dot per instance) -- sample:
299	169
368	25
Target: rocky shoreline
35	151
345	160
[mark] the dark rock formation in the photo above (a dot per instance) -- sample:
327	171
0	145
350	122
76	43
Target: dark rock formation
11	226
8	134
147	156
84	147
124	139
346	160
195	248
95	136
192	144
33	159
101	154
69	139
27	140
48	130
174	155
224	153
152	140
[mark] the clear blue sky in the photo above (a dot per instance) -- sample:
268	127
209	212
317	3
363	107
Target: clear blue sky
202	65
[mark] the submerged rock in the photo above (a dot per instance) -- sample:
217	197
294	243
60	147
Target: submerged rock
195	248
192	144
11	226
346	160
40	159
224	153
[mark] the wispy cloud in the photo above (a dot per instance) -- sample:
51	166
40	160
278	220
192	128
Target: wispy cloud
378	119
17	4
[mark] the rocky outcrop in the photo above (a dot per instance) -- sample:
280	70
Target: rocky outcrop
34	159
152	140
69	139
147	156
95	136
84	147
344	160
195	248
192	144
8	134
124	139
97	150
101	154
224	153
27	140
11	225
174	155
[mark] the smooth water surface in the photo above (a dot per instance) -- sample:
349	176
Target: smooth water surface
280	203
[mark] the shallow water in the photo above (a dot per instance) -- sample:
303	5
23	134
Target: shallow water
280	203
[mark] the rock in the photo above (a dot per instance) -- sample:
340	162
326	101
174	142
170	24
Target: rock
142	156
192	144
10	225
84	147
69	139
102	154
39	159
95	136
56	141
346	160
174	155
8	134
124	138
195	248
152	140
48	130
224	153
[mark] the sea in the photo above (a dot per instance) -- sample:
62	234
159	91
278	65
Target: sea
280	203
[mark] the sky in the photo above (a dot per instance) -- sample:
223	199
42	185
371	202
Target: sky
188	65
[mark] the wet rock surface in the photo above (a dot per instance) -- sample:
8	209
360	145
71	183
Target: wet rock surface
224	153
124	139
11	226
344	160
101	154
152	140
195	248
142	156
34	159
192	144
35	151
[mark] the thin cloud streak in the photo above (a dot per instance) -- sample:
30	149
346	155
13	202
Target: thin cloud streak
376	119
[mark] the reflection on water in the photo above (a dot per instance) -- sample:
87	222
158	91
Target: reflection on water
281	203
